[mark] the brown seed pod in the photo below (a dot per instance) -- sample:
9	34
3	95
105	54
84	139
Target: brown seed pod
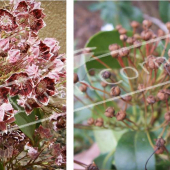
92	166
137	44
151	99
83	88
113	48
160	142
124	52
99	122
160	33
106	74
153	62
168	25
130	40
90	121
91	72
134	24
121	115
128	98
146	24
137	36
162	95
146	35
110	112
122	31
115	91
167	116
76	78
103	84
141	87
118	27
123	37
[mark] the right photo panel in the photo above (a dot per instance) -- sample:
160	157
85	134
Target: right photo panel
121	85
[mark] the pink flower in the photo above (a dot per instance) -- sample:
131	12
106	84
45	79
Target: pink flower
13	55
44	89
32	152
6	115
44	51
44	132
51	42
20	84
7	21
3	95
33	71
4	44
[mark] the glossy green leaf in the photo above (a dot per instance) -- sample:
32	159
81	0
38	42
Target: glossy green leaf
26	123
101	41
164	10
132	152
104	161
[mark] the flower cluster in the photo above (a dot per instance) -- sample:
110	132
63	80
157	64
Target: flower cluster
32	76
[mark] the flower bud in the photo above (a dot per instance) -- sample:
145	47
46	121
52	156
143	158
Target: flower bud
122	31
83	88
106	74
137	44
90	121
162	95
113	48
134	24
115	91
160	33
103	84
137	36
151	99
146	35
121	115
99	122
168	25
128	98
130	40
91	72
123	52
160	142
109	112
118	27
146	24
123	37
167	68
76	78
167	116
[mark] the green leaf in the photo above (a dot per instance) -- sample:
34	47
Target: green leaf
101	41
132	152
164	10
104	161
1	166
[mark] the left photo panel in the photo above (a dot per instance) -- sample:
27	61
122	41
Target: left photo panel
32	85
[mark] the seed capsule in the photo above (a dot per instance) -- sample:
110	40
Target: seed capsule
160	33
134	24
113	48
146	35
151	99
123	52
137	44
147	24
123	37
122	31
90	121
160	150
99	122
106	74
162	95
83	88
91	72
76	78
121	115
115	91
118	27
130	40
110	111
92	166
